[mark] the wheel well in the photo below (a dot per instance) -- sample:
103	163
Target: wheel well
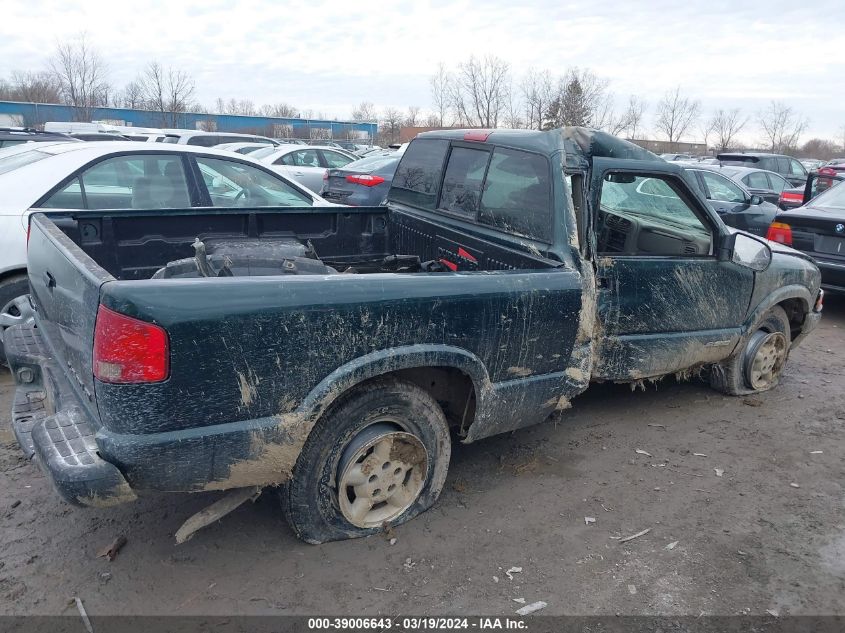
453	390
17	272
796	312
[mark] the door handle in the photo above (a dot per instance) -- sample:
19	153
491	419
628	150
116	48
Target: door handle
49	280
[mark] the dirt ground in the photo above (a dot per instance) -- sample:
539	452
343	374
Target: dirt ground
769	534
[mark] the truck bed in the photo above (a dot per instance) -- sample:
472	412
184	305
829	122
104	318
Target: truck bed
255	359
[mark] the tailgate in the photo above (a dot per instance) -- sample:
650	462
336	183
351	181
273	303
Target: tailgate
65	289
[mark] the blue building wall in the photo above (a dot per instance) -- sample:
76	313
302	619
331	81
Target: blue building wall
36	114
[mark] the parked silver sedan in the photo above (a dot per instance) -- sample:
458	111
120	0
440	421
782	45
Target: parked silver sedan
306	165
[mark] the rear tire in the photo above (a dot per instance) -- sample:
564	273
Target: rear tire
12	309
757	364
380	455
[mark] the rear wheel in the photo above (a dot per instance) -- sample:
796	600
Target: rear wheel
759	362
14	306
378	457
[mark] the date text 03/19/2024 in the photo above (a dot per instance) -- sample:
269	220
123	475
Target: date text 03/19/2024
416	624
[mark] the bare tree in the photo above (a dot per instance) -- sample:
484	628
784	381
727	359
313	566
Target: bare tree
537	93
822	149
634	115
675	115
244	107
412	118
167	91
726	125
7	91
608	119
81	76
34	88
440	84
781	127
365	111
482	90
705	127
132	96
432	120
513	111
279	110
390	125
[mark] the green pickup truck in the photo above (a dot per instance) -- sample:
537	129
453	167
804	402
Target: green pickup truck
338	352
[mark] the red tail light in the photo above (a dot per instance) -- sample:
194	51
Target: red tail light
364	179
326	175
128	350
790	196
780	232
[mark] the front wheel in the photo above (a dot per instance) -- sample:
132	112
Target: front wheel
759	361
379	456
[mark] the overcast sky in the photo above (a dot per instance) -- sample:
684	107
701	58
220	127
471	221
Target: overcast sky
329	56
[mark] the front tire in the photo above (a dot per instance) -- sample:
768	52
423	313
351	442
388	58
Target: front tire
757	364
379	456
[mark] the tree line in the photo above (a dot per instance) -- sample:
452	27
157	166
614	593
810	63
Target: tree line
478	92
77	75
481	92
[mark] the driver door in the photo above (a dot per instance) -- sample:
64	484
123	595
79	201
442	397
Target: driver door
665	301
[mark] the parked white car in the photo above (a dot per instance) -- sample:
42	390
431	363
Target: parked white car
245	148
120	175
142	134
307	165
210	139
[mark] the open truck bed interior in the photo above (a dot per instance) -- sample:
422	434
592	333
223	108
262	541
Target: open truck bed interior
137	245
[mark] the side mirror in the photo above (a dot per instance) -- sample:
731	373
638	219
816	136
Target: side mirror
750	252
756	200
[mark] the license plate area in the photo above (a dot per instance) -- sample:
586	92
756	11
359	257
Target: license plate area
830	244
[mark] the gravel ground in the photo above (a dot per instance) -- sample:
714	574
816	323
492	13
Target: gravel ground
768	534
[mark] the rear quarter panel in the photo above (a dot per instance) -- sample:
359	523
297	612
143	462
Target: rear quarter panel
244	349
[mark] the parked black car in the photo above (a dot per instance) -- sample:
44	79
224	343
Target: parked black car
736	206
16	135
363	182
818	229
788	167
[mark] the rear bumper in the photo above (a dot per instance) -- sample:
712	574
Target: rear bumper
55	429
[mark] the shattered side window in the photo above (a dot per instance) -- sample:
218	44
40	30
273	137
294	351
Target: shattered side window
647	215
417	179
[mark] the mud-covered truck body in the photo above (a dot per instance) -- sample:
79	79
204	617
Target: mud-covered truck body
338	350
